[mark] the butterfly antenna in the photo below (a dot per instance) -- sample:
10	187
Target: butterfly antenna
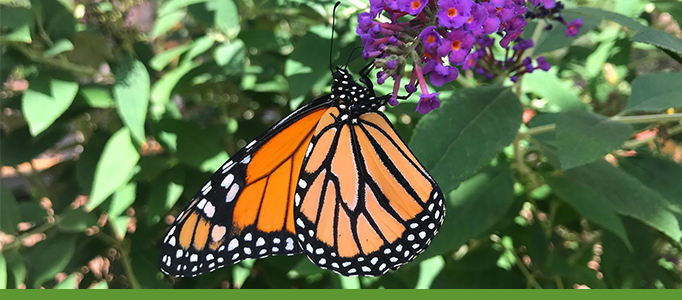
350	57
331	46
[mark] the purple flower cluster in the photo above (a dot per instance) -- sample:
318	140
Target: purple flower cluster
438	36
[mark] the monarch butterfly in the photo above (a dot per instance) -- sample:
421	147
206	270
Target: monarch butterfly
332	180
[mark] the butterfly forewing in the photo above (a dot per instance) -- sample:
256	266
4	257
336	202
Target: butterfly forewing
364	204
245	210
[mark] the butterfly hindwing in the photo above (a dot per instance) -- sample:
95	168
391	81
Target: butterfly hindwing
245	209
364	204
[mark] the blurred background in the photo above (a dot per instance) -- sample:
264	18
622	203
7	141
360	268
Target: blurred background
114	113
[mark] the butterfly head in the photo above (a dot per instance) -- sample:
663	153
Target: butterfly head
352	95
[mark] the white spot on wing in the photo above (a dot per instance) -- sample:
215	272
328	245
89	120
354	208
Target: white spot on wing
233	244
232	193
227	180
201	204
209	210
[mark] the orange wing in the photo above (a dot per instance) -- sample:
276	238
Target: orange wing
245	210
364	203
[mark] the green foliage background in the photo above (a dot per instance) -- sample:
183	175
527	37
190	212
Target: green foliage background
126	107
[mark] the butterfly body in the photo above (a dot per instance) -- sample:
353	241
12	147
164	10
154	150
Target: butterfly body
332	180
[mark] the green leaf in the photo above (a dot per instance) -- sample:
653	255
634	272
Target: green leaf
616	17
231	56
590	204
659	38
19	146
102	285
131	93
58	21
162	59
123	198
76	220
629	196
643	34
16	269
583	137
190	144
166	22
97	96
48	258
59	46
659	174
199	46
70	282
162	89
3	272
226	17
302	68
32	211
466	132
473	208
120	226
90	49
45	100
10	215
114	168
165	192
175	5
655	92
87	161
19	21
556	38
428	271
557	94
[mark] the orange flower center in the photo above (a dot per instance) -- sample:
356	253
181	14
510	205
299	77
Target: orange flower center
456	44
416	4
452	12
430	39
426	55
470	19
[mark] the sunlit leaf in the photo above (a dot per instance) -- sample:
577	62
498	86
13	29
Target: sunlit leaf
45	100
114	167
76	220
131	93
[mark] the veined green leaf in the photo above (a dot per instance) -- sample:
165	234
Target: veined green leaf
583	137
466	132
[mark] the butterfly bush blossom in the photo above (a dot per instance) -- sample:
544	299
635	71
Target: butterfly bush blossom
440	37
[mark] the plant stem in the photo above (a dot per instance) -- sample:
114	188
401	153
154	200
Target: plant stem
525	270
634	144
61	63
40	229
626	120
